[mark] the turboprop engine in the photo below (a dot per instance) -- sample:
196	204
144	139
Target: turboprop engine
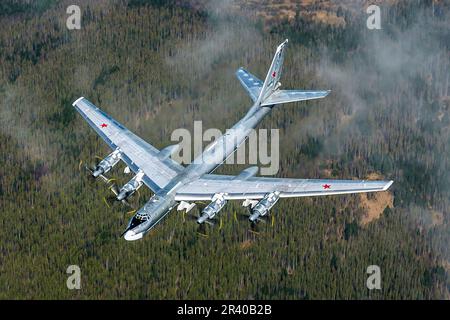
106	164
264	205
131	186
218	202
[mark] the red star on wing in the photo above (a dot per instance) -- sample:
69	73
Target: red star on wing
103	125
274	74
326	186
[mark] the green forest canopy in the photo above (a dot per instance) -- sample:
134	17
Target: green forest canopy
160	67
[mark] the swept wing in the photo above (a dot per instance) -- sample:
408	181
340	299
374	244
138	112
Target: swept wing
135	152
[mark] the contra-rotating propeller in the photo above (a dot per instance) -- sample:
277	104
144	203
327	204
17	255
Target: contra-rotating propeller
115	191
91	168
255	225
203	229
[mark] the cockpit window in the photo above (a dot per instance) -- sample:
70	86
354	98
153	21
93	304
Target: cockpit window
135	222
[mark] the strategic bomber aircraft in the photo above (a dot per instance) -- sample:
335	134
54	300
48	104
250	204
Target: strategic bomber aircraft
174	184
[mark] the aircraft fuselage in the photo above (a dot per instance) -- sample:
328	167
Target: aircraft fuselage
214	155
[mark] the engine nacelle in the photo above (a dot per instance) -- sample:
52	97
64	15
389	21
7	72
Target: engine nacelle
218	202
106	164
131	186
263	206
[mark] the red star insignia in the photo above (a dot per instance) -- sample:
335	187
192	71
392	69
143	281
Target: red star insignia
103	125
274	74
326	186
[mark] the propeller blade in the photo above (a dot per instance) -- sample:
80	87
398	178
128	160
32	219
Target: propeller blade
189	216
109	181
138	196
131	212
202	228
254	228
114	188
90	169
202	231
241	217
262	219
105	179
111	200
127	203
106	202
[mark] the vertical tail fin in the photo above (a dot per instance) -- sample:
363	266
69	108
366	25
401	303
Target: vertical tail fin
273	75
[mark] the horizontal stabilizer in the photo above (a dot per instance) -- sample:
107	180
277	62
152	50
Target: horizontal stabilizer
251	83
285	96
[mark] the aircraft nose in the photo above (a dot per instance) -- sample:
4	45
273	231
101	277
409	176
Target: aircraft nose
132	236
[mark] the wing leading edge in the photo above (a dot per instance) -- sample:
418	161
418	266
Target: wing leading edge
135	152
257	187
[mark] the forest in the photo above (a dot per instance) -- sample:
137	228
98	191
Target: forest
156	66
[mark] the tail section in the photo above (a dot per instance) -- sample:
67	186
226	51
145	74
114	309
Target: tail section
267	93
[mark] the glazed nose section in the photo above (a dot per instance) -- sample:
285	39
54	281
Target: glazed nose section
129	234
132	236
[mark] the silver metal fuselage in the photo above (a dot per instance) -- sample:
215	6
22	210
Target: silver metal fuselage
213	156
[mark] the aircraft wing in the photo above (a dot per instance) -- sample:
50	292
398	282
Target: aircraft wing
251	83
136	153
257	187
